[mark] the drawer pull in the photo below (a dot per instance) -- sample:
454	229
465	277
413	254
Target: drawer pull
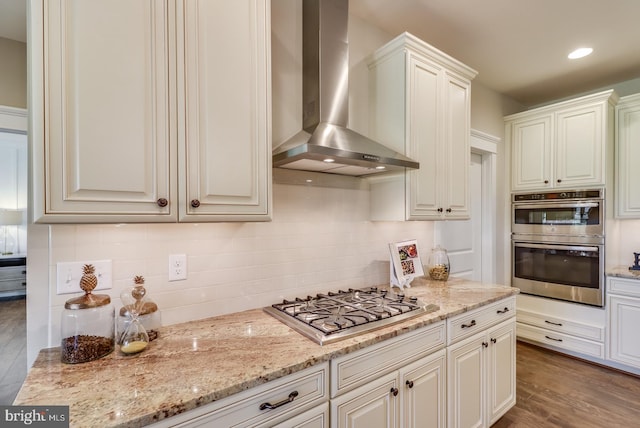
485	345
559	324
162	202
551	338
409	383
503	311
394	391
471	324
493	340
289	399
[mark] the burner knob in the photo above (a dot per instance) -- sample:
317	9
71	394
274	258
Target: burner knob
413	299
400	297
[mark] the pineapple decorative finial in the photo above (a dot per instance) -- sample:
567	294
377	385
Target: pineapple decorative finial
138	291
89	281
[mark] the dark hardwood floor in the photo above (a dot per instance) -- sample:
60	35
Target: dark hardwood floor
13	348
554	390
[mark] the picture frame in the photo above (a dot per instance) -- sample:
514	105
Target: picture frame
405	263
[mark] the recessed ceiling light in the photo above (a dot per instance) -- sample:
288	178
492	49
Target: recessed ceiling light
579	53
329	160
380	167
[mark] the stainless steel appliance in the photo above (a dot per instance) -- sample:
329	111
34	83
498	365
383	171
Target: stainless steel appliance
326	318
558	245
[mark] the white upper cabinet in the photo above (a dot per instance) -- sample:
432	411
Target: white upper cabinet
140	108
627	196
567	145
224	80
420	106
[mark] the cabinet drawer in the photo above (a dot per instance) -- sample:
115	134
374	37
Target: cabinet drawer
361	367
13	273
13	284
561	325
243	409
624	286
560	340
472	322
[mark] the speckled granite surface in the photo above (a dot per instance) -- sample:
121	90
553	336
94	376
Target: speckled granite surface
623	272
199	362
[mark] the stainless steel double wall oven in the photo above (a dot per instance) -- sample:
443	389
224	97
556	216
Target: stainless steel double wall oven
558	245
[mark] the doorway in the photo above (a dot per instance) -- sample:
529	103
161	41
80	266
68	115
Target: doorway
13	202
471	243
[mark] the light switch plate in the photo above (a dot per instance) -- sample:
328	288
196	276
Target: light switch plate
69	273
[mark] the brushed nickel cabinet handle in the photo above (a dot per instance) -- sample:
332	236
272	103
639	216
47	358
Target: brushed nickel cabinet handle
195	203
162	202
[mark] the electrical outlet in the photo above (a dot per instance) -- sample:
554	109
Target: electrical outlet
69	273
177	267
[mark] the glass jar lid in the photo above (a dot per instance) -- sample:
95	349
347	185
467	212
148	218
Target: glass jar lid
88	282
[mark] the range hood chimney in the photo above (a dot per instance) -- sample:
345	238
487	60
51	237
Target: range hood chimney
326	144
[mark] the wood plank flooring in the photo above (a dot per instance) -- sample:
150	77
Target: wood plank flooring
554	390
13	348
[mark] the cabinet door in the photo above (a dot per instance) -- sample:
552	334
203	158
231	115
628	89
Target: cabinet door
224	79
501	371
425	137
371	406
580	146
457	150
466	382
627	155
531	153
105	87
423	399
624	319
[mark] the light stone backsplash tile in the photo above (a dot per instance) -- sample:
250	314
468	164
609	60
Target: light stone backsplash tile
320	239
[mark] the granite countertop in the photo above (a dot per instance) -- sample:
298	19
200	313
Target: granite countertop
623	272
198	362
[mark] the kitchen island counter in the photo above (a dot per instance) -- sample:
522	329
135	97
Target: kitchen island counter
199	362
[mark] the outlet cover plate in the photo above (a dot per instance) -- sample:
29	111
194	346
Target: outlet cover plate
177	267
69	273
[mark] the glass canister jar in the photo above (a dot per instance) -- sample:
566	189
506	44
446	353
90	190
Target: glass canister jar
439	266
87	325
149	315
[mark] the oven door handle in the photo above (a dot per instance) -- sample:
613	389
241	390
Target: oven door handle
556	247
556	205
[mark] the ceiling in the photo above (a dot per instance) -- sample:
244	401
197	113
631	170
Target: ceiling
519	47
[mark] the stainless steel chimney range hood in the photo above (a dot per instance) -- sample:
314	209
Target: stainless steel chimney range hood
326	144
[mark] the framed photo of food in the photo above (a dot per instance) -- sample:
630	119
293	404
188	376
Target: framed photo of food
405	263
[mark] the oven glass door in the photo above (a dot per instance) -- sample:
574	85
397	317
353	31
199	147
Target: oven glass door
566	218
568	265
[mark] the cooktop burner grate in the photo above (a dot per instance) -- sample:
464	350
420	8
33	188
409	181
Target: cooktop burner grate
337	315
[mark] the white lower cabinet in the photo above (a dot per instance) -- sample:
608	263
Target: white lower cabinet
398	382
293	400
481	367
623	303
571	328
414	396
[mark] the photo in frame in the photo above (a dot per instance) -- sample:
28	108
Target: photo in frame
405	263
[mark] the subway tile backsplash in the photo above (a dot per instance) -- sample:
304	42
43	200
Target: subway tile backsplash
320	239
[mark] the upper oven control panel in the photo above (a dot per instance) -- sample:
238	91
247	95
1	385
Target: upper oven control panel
546	196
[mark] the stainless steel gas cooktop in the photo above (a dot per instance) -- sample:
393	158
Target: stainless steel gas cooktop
326	318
